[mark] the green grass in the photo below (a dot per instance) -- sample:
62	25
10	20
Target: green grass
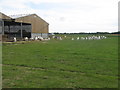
61	64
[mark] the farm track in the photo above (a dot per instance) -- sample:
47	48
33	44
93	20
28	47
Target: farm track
42	68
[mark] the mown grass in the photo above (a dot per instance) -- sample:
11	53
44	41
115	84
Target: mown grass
61	64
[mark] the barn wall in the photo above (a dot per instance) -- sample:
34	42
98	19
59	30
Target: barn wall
44	35
38	24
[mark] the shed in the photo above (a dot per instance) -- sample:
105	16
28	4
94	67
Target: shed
39	26
13	29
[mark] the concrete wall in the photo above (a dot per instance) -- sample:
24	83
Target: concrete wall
44	35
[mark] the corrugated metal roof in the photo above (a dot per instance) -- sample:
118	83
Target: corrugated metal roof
26	15
19	15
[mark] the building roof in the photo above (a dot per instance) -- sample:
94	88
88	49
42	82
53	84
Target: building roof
19	15
3	16
27	15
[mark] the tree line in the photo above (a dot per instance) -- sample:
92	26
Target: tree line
90	33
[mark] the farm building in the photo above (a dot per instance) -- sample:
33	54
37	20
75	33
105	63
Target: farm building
3	16
16	29
9	28
25	26
39	26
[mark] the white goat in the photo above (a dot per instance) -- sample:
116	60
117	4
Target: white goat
53	37
72	38
48	38
26	38
60	38
36	38
82	38
78	38
14	39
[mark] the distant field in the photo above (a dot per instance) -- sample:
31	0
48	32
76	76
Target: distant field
61	64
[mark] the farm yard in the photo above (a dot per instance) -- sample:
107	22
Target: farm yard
62	63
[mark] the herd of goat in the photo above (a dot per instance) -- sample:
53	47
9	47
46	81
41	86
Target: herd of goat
61	38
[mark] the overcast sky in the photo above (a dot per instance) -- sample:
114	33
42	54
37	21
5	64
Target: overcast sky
69	15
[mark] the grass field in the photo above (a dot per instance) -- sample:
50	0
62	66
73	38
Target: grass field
61	64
